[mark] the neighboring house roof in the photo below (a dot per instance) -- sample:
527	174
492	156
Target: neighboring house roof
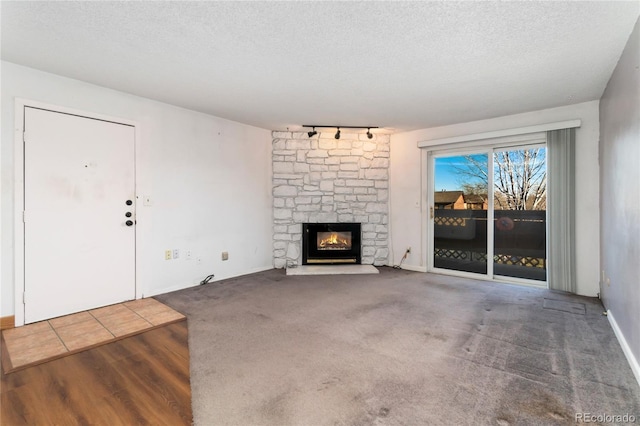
474	198
447	197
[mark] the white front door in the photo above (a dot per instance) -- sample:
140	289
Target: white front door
79	213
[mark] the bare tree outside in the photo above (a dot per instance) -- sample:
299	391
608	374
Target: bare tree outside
520	178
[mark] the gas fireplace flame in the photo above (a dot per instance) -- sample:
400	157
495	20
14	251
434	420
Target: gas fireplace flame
333	241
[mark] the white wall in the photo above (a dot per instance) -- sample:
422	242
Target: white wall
620	208
209	178
408	191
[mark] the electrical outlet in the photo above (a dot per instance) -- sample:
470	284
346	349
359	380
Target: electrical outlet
176	253
167	255
187	255
225	255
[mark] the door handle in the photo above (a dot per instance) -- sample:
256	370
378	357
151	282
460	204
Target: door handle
128	223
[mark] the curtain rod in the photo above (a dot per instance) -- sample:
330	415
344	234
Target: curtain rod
501	133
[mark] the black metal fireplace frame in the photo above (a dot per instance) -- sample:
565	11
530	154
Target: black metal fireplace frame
311	255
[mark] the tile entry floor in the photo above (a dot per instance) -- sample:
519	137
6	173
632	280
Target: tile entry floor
42	341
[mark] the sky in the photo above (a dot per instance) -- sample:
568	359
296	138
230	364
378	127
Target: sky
447	178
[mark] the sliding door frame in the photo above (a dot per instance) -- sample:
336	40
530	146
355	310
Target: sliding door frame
431	157
488	146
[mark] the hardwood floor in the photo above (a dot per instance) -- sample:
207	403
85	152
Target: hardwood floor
142	380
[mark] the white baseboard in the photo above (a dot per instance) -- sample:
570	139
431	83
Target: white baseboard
165	290
194	284
250	271
633	362
414	268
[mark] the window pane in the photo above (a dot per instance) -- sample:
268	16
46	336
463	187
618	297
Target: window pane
460	213
520	203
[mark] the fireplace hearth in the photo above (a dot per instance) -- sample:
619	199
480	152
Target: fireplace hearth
331	243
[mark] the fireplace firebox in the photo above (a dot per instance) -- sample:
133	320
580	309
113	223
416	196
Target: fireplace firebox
331	243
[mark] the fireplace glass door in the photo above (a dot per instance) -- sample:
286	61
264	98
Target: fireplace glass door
331	243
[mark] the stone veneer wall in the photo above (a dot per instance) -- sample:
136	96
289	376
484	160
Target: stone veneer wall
323	179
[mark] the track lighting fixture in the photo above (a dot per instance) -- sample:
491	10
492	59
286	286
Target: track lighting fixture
337	136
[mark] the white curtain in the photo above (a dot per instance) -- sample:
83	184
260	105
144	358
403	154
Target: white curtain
561	209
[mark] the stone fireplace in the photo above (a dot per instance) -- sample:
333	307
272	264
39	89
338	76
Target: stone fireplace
326	180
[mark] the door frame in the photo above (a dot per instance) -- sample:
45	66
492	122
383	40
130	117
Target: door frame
484	145
432	155
18	194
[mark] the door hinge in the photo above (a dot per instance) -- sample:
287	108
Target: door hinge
24	136
24	216
24	297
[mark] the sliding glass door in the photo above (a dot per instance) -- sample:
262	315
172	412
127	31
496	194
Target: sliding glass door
519	212
459	212
488	212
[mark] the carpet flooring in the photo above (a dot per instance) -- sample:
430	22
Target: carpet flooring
398	348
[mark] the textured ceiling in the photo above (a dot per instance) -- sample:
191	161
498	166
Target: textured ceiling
277	65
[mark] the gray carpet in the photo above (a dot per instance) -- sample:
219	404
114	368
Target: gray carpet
399	348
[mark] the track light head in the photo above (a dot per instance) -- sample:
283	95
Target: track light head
313	132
